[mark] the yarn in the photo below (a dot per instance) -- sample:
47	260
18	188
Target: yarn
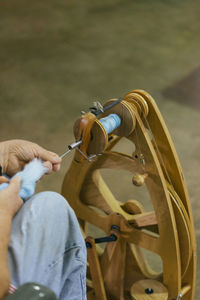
110	122
29	176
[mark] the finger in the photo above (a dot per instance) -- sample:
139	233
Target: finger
14	185
49	166
56	167
4	179
48	156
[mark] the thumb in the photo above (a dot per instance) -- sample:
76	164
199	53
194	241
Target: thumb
14	185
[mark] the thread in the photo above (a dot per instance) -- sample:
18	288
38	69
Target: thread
110	122
29	176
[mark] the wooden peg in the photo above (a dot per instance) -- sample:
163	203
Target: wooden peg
139	179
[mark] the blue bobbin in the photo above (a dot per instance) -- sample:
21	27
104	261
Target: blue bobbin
110	122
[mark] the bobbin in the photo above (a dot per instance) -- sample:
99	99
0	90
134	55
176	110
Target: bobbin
98	139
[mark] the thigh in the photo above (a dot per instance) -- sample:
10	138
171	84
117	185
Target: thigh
46	244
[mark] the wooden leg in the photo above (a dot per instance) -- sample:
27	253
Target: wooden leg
95	270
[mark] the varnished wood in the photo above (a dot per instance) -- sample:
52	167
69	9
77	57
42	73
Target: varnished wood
157	291
144	219
167	231
95	270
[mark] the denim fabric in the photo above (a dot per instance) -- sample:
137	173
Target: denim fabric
47	247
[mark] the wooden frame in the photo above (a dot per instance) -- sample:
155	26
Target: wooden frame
121	272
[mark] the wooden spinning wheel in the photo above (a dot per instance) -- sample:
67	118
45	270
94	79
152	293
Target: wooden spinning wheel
120	271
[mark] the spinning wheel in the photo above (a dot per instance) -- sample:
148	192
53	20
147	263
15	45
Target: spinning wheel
120	270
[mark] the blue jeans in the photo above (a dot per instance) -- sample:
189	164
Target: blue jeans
47	247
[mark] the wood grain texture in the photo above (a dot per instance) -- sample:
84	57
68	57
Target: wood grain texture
159	291
166	231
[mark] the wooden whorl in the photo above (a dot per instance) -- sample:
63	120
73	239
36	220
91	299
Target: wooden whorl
138	101
148	290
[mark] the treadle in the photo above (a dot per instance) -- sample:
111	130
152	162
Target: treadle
148	290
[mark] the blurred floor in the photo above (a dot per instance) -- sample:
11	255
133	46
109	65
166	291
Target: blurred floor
58	57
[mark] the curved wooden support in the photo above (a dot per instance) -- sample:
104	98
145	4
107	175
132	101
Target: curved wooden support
167	231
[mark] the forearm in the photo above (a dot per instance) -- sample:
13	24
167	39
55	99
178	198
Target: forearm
5	228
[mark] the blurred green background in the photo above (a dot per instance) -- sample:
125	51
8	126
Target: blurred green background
57	57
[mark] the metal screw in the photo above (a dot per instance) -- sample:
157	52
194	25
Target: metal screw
149	291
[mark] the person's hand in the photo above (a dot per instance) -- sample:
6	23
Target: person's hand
4	179
10	202
14	154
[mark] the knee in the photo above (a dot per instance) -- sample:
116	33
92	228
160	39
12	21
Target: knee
52	213
48	209
50	203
